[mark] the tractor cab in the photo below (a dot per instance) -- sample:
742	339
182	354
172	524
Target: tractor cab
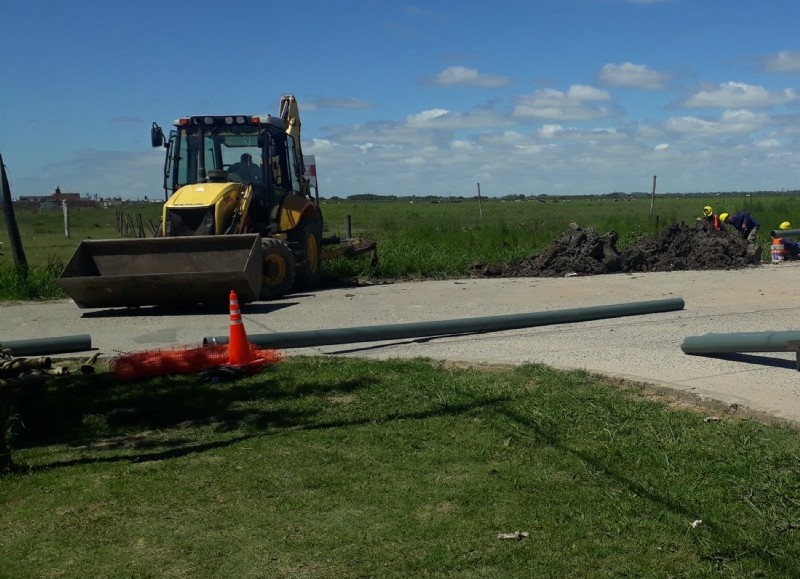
253	151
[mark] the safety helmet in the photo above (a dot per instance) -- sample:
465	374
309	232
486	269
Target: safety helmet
723	217
707	210
786	225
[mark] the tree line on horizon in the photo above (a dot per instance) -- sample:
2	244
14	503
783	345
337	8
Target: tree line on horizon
546	196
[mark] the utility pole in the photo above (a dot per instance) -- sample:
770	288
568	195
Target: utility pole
11	223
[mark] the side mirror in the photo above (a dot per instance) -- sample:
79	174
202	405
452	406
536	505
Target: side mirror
262	139
157	136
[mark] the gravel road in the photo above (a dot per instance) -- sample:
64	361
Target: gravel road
643	348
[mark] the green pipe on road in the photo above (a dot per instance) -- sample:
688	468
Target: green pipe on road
739	342
784	233
46	346
377	333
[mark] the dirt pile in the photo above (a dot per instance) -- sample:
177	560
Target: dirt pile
585	252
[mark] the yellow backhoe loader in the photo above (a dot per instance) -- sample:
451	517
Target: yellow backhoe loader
241	216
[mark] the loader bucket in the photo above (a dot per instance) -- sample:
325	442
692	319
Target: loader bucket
164	271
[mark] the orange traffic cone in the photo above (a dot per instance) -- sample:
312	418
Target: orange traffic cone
238	346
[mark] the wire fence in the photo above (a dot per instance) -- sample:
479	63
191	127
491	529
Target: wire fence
133	225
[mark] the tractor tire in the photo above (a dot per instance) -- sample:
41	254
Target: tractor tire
309	270
278	269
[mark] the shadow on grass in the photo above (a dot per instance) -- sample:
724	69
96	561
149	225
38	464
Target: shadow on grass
177	452
438	411
87	408
730	546
109	422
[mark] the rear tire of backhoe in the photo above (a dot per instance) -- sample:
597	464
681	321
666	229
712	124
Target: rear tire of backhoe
278	269
309	271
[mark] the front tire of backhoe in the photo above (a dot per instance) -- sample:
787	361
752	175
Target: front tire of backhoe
278	269
309	271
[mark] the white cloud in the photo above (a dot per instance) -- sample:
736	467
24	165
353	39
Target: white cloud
462	76
604	132
335	103
550	131
463	145
739	95
729	123
768	144
322	144
587	93
442	119
632	75
661	147
784	61
580	102
427	116
529	149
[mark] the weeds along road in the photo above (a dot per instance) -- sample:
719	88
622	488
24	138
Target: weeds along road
643	348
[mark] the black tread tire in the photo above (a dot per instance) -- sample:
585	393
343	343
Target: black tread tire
309	271
278	269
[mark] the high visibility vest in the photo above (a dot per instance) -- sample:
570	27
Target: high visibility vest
777	250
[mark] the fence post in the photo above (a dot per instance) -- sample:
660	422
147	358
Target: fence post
653	196
65	210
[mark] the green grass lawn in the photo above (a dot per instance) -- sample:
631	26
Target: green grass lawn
330	467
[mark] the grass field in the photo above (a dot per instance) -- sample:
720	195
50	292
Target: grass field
419	239
328	467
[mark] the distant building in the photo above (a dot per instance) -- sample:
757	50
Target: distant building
54	201
111	202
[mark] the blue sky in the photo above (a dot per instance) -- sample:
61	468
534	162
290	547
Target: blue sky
533	97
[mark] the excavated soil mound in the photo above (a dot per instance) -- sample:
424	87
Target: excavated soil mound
585	252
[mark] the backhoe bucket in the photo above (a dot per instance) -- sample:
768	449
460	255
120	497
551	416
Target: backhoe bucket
164	271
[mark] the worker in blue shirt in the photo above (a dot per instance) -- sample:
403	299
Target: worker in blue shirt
744	223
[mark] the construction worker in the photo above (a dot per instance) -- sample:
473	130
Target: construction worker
791	250
711	221
744	223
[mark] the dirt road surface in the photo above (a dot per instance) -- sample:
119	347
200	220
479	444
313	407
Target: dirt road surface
643	348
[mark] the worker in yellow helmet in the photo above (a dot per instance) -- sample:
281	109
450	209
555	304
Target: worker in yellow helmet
710	221
791	249
742	222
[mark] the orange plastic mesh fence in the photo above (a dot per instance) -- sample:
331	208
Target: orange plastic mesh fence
165	362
